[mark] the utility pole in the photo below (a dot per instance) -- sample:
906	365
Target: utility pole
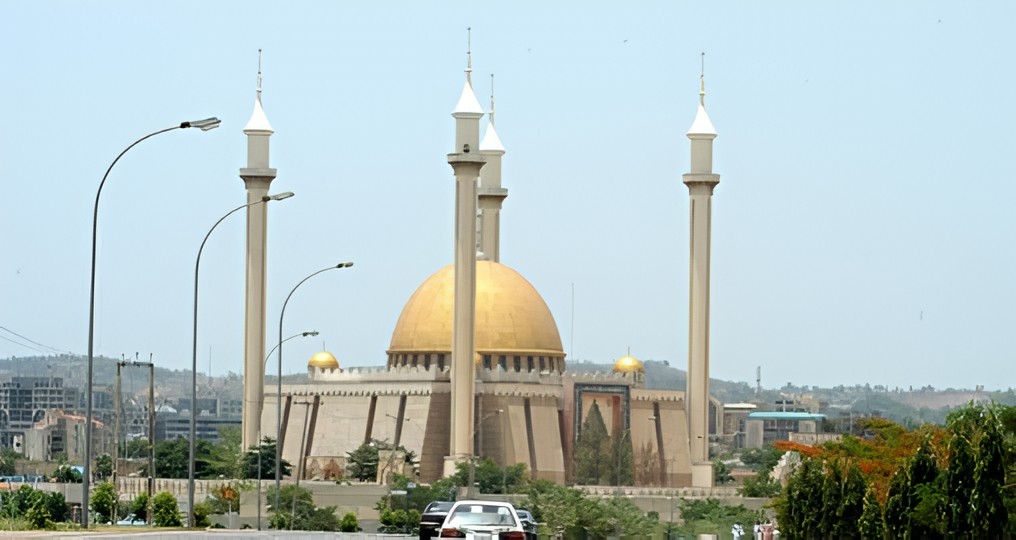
299	463
116	427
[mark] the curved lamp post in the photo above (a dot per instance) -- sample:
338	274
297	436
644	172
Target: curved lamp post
194	361
278	399
203	125
267	356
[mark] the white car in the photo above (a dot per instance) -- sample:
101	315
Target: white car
482	520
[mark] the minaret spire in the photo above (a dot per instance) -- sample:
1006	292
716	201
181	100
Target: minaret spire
259	75
491	194
702	80
491	114
469	55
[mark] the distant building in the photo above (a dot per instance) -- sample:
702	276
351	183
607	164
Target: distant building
25	401
770	426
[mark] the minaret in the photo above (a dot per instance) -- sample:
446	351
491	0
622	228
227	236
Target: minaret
700	181
466	161
491	194
257	176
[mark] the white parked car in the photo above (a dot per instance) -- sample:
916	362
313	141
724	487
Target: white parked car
483	520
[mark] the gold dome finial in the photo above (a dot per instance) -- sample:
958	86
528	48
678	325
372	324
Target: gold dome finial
629	364
323	359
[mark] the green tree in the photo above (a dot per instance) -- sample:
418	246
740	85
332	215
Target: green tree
104	502
800	506
104	466
224	457
721	472
870	524
361	463
165	510
172	459
491	477
762	459
297	511
852	493
8	461
761	485
592	451
57	507
139	507
266	452
621	459
201	512
67	474
976	473
136	449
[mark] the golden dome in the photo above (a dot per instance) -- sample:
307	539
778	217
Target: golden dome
629	364
511	317
323	359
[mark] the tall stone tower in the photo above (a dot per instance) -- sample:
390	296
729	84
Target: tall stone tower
257	177
700	181
466	161
491	194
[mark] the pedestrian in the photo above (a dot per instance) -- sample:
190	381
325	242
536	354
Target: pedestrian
737	530
767	530
757	531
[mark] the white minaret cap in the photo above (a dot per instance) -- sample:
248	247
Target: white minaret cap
258	122
491	142
702	125
467	105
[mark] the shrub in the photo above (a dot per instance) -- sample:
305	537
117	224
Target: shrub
165	511
350	523
104	503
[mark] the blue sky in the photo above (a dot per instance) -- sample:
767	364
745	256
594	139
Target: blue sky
863	225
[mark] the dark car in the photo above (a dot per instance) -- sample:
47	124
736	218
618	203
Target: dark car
528	522
432	518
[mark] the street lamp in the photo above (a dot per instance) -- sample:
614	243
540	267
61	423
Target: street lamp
194	357
278	401
258	447
203	125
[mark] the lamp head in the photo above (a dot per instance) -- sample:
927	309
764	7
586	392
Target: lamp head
344	265
281	196
203	125
311	333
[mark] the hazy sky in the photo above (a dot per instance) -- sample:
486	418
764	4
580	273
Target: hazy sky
863	227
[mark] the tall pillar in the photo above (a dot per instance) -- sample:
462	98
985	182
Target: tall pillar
257	177
700	181
491	194
466	162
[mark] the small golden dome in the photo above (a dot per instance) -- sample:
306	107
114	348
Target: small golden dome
511	317
323	359
629	364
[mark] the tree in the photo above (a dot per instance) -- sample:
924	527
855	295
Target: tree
361	463
165	510
871	525
225	458
621	459
8	459
172	458
761	485
136	449
592	451
67	474
266	452
139	507
104	466
491	477
762	459
721	472
104	502
297	511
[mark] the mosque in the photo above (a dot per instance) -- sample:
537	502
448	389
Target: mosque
475	366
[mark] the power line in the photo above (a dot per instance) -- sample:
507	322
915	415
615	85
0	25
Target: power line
53	349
